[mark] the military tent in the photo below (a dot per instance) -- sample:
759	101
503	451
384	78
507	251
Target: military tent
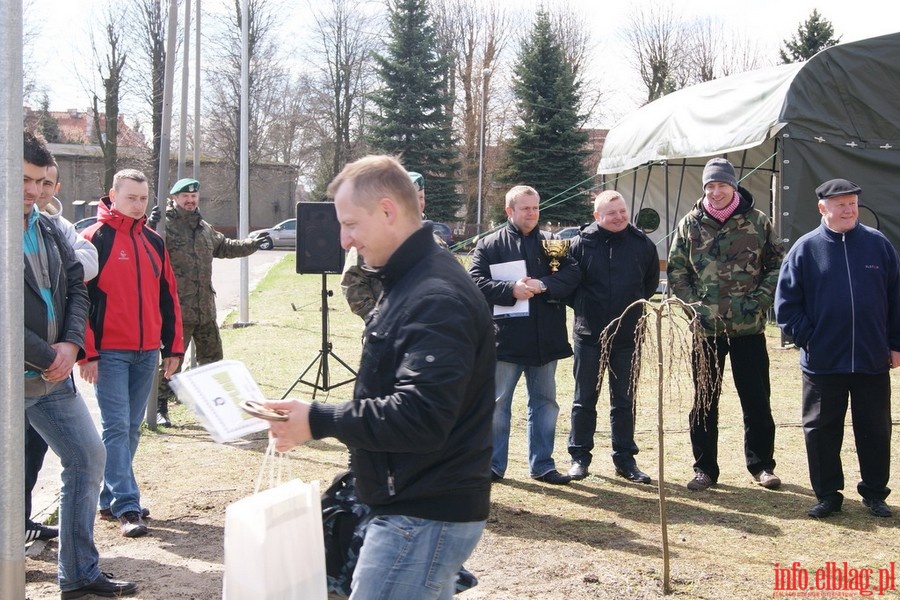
786	129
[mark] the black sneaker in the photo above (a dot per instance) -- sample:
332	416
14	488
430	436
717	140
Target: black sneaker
103	586
106	514
36	531
132	524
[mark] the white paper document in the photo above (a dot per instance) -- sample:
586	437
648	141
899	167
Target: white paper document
513	270
214	391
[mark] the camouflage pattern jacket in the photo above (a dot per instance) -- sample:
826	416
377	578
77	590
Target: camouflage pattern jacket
192	245
730	269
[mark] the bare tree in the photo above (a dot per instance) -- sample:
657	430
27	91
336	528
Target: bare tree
30	33
571	29
294	132
479	34
715	51
224	75
655	37
345	41
110	61
705	38
151	17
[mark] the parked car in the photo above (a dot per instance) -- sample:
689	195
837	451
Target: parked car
444	231
84	223
283	235
567	233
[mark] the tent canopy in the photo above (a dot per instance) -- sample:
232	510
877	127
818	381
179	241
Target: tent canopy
785	128
718	116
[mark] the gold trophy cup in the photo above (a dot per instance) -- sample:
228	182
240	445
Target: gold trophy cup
555	249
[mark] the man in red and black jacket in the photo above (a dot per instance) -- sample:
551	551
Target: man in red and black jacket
134	316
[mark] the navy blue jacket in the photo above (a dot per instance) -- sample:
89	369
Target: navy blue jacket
838	296
419	424
542	336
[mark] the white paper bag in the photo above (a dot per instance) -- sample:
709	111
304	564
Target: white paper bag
274	547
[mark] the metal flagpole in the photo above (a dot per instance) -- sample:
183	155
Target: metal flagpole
12	415
185	80
243	226
196	170
164	141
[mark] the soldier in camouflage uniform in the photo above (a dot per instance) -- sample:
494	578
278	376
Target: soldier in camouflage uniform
360	287
193	244
725	259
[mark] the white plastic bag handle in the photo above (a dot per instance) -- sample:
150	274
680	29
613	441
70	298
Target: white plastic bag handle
279	468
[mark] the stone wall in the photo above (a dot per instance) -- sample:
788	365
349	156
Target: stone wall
273	187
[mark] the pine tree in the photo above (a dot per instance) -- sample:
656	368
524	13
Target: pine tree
811	37
47	124
411	119
548	149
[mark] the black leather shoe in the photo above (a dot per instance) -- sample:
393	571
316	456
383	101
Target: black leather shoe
103	586
554	477
578	471
495	477
877	507
132	524
633	474
825	508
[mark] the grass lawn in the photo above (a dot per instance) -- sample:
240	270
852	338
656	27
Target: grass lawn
600	537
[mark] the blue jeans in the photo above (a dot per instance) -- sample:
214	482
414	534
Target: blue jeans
124	381
63	420
542	414
35	450
584	406
409	557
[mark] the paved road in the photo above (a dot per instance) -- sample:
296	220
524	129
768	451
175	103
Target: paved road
226	280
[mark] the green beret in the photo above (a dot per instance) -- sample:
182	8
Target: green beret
417	179
185	185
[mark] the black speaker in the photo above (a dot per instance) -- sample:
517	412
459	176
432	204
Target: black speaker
318	238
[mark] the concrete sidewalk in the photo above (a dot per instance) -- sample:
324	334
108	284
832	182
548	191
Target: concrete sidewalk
226	281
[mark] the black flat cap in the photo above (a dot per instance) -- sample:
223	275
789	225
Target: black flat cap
837	187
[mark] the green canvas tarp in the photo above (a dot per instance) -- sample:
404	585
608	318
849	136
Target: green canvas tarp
786	129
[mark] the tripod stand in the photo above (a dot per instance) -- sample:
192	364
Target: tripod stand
322	374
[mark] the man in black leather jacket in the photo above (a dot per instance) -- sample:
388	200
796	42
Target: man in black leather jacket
419	424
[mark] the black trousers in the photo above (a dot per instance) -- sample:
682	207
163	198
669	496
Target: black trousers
825	399
621	403
750	369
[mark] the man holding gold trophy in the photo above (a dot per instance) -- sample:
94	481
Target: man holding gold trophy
619	265
524	282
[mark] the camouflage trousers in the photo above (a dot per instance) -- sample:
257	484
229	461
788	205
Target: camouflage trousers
208	349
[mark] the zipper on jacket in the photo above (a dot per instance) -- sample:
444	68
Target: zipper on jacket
390	483
137	269
852	306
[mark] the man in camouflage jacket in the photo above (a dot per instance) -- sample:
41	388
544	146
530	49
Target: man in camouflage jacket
193	244
725	260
